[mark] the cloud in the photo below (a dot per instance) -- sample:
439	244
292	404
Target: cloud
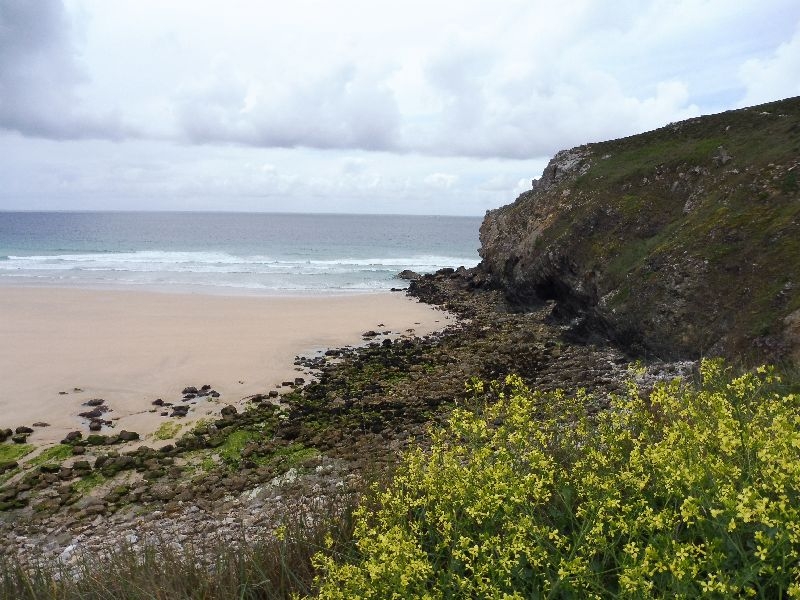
513	79
774	77
40	77
342	108
441	180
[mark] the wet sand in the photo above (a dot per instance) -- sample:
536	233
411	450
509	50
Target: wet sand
60	347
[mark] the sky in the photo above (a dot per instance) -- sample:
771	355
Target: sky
365	106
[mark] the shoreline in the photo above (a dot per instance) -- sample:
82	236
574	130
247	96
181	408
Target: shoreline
185	289
68	345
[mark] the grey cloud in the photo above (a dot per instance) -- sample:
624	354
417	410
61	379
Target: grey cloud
39	75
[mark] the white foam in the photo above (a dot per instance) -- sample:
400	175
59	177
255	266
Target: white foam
225	270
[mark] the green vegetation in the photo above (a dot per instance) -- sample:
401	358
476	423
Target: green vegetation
686	493
231	450
9	452
53	455
294	455
167	430
89	482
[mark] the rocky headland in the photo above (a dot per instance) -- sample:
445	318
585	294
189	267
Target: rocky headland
680	242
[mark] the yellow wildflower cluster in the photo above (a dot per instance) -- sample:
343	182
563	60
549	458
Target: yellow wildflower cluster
688	492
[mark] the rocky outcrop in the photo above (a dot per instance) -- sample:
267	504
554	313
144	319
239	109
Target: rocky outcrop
684	241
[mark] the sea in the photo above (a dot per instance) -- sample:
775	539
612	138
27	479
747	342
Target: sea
230	253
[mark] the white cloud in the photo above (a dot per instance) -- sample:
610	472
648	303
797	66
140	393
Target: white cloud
441	180
774	77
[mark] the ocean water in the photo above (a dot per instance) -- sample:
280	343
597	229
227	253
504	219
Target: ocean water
230	252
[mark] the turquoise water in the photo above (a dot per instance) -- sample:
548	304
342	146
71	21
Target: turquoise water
230	252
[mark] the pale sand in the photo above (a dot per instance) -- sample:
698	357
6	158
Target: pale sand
131	347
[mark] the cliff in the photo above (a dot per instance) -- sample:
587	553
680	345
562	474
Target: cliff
680	242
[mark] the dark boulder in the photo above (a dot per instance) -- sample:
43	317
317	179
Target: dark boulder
72	437
228	411
128	436
408	275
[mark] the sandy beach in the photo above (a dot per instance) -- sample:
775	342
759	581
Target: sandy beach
62	347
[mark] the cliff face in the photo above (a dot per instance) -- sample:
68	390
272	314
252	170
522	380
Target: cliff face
683	241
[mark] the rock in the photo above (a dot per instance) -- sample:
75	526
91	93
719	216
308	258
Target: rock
369	334
78	450
5	434
299	381
408	275
71	437
19	438
205	388
792	334
157	402
95	413
722	157
97	440
41	424
189	390
8	466
23	429
95	425
228	411
94	402
180	411
214	394
128	436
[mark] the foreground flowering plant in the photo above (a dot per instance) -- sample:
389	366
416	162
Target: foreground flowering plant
691	491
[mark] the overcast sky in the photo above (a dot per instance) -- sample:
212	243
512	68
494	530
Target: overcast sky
434	106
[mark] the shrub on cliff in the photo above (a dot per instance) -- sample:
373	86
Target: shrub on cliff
692	490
